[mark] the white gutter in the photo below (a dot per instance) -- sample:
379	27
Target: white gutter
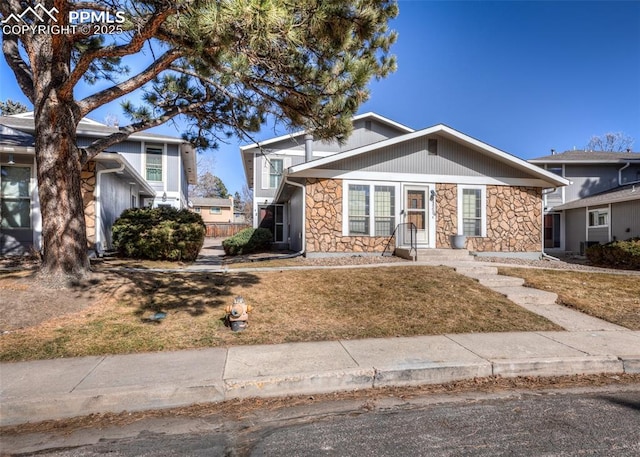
304	213
627	165
98	208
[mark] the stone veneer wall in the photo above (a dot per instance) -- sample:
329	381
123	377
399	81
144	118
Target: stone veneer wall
88	184
514	219
324	222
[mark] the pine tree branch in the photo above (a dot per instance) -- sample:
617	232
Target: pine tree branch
20	68
98	99
145	33
124	132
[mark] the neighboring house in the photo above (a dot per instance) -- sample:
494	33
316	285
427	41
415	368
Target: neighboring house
601	203
322	198
213	209
145	170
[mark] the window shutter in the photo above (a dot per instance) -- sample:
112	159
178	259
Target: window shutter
265	172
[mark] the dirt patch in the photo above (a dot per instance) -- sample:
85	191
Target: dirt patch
26	302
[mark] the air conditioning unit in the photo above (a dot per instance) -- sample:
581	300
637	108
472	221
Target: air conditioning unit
585	244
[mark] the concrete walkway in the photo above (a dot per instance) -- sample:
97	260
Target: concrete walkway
62	388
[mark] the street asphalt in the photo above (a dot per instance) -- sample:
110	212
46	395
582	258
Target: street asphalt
64	388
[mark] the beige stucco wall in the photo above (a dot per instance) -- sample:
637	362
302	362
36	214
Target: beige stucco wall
225	216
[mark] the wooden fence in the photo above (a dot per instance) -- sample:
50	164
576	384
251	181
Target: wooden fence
223	230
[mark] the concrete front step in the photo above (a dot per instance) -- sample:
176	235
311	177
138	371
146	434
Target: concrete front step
472	270
527	295
433	255
451	254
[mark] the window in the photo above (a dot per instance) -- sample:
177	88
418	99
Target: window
197	209
154	163
275	173
385	210
15	205
215	210
369	204
471	211
432	146
272	170
599	218
358	209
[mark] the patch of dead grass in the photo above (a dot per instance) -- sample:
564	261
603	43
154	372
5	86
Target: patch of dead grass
289	306
612	297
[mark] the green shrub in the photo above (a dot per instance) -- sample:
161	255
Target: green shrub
159	234
247	241
617	254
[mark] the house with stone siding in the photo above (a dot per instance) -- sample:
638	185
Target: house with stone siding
146	170
388	187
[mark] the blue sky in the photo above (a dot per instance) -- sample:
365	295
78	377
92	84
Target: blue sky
522	76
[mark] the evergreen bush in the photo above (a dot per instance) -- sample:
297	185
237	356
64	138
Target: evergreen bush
247	241
617	254
159	234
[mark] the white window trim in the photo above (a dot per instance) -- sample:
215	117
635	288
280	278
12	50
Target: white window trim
215	210
372	210
599	210
483	204
266	169
163	146
32	193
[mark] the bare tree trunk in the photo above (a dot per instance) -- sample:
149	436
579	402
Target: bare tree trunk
58	169
58	162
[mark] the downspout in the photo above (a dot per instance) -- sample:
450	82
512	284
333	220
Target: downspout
627	165
96	193
304	214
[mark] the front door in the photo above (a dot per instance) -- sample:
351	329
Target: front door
416	211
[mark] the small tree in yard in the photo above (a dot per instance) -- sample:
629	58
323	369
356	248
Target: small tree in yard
223	66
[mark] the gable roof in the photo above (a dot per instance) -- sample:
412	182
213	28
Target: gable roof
370	115
202	201
12	137
619	194
247	153
23	123
86	126
580	156
446	131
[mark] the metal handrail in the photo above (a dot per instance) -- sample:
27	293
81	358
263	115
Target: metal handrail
413	240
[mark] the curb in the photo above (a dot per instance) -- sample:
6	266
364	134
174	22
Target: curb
16	411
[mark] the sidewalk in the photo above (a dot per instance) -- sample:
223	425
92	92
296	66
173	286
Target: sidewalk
55	389
62	388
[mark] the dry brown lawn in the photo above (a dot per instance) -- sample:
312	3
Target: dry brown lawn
289	306
612	297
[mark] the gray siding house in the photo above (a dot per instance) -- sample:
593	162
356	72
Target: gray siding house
323	199
601	204
146	170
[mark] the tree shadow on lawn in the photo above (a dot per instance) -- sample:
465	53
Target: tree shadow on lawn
191	293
